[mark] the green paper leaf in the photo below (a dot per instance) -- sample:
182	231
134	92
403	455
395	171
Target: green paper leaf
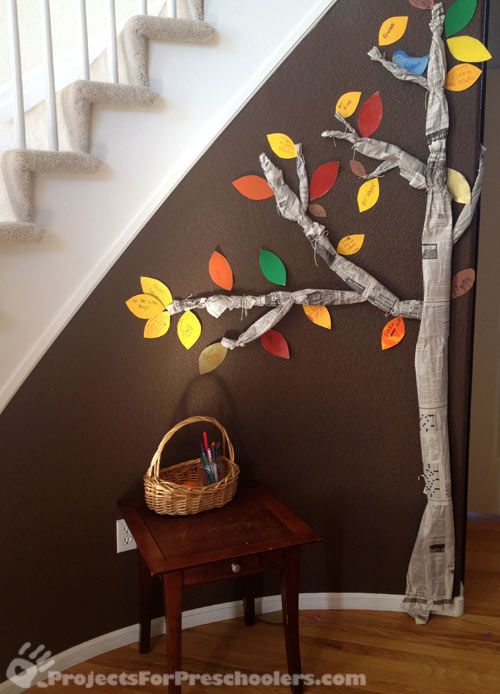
458	16
272	267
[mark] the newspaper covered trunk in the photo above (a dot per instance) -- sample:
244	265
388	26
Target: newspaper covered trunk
430	575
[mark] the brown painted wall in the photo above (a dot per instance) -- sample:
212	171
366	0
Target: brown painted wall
334	431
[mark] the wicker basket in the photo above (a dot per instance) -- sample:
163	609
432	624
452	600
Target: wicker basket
164	490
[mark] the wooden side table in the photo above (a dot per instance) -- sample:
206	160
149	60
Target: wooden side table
253	533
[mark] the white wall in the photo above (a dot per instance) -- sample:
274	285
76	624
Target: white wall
146	153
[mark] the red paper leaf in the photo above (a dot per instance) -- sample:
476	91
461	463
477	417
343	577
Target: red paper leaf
462	282
370	115
423	4
323	179
220	271
274	342
357	168
253	187
317	210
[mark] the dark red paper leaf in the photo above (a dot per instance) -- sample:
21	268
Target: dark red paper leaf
323	179
423	4
370	115
274	342
357	168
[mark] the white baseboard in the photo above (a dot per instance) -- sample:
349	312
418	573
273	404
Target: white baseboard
227	610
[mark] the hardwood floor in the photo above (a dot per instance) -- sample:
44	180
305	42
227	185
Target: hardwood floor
396	656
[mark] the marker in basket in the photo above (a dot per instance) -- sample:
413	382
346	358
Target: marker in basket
215	461
212	464
206	466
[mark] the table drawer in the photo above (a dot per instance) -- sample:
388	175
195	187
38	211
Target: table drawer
233	568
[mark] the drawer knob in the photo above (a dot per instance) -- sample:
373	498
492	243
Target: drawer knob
235	567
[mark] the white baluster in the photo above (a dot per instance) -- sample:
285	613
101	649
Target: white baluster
17	75
143	7
84	40
50	98
112	46
172	8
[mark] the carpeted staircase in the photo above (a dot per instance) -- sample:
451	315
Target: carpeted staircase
20	166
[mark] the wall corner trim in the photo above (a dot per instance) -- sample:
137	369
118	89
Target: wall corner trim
217	613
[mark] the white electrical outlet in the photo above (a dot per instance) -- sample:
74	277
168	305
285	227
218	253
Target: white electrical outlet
124	539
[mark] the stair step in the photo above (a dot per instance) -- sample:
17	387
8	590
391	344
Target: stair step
20	165
79	97
21	232
141	28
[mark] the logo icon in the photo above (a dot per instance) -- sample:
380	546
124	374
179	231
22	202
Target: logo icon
23	670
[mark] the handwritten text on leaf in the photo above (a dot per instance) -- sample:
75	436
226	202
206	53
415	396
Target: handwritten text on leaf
368	194
348	103
282	145
211	357
349	245
393	333
392	30
188	329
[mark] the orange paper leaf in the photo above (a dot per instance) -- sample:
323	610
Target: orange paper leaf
220	271
319	315
393	333
462	77
253	187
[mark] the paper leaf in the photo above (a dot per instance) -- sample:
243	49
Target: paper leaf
253	187
323	179
274	342
220	271
468	49
416	66
462	77
272	267
157	289
211	357
422	4
462	282
188	329
350	244
157	326
458	16
459	187
368	194
319	315
348	103
393	333
282	145
370	115
392	30
357	168
144	306
316	210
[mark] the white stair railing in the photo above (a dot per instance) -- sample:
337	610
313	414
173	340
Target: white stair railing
17	90
17	75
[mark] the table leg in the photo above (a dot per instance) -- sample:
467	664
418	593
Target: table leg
172	598
145	605
290	605
250	588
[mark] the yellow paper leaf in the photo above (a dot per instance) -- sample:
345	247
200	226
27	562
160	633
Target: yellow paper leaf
368	194
350	244
157	326
319	315
157	289
348	103
462	77
459	187
144	306
188	329
212	357
468	49
392	30
282	145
